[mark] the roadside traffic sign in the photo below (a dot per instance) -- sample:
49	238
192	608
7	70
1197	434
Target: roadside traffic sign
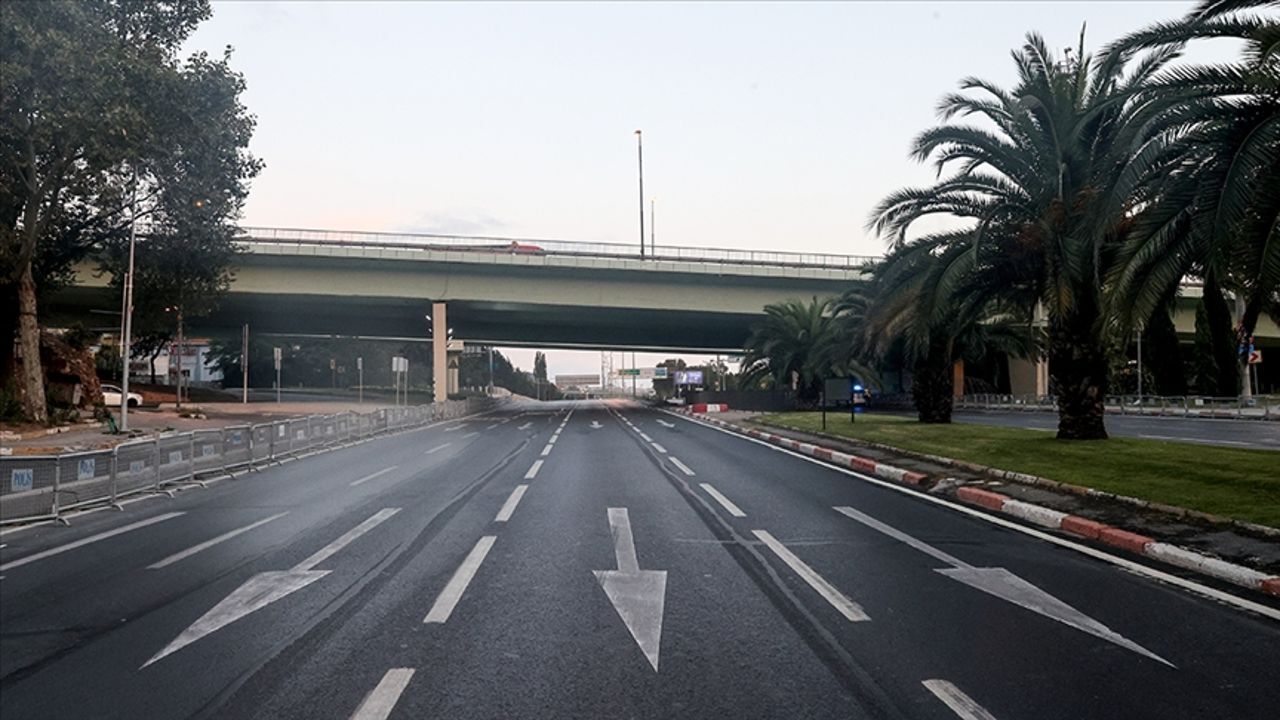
1255	357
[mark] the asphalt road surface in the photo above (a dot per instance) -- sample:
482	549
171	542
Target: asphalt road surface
1260	434
600	561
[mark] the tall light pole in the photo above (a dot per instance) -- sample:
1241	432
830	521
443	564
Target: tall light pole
640	162
128	307
653	227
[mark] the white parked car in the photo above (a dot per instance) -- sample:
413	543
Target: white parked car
111	397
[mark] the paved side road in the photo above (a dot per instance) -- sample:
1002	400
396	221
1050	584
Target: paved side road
1259	434
596	561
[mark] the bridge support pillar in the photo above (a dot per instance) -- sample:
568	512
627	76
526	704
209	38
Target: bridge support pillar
439	352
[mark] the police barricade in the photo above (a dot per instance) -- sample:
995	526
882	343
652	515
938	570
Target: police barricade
137	467
85	477
28	487
176	461
296	432
235	446
207	451
264	438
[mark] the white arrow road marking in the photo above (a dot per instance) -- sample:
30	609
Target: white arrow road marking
380	701
962	705
595	425
851	610
510	505
371	476
86	541
725	502
638	595
437	449
666	424
267	587
683	468
1005	585
453	591
533	470
210	543
525	426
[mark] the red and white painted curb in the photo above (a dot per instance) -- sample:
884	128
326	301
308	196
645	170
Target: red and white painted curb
1035	514
853	462
708	408
1122	539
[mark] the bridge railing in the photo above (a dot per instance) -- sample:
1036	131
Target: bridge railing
1263	407
40	487
536	247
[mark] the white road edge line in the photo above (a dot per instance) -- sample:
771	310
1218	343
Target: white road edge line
683	468
533	470
371	476
725	502
347	538
962	705
1135	567
213	541
453	591
851	610
437	448
380	701
86	541
510	505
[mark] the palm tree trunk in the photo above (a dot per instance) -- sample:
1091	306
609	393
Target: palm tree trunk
932	386
1078	367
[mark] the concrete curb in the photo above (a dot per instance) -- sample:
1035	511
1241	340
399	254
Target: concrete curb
1035	514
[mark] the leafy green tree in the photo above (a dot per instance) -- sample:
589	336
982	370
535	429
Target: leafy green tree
1036	189
100	117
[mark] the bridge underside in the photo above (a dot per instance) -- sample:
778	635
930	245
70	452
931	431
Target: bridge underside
499	323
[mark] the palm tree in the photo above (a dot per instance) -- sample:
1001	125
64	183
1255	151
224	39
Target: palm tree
1206	169
1037	193
800	343
933	331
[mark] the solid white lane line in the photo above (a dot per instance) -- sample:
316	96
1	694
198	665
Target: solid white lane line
851	610
452	592
546	450
725	502
470	435
347	538
510	505
371	476
683	468
210	543
86	541
382	699
962	705
437	448
533	470
659	448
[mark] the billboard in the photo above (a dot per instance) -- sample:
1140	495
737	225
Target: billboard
688	377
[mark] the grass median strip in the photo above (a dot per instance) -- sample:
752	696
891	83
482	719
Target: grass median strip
1233	482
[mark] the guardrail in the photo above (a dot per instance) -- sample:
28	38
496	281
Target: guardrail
532	246
1263	407
41	487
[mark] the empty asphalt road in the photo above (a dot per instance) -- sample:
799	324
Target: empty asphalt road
598	560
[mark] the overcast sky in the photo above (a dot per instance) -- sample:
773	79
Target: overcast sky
774	126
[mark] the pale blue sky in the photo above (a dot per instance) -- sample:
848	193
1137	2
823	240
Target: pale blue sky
766	125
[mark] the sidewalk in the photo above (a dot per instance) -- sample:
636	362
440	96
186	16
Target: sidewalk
144	422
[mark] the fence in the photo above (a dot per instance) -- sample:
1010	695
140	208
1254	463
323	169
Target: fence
1263	407
35	487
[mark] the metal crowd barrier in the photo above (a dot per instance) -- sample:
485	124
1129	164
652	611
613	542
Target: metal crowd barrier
36	487
1262	407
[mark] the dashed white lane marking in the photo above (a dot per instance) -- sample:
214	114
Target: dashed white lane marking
452	592
510	505
533	470
347	538
493	426
437	448
659	448
683	468
214	541
725	502
646	437
546	450
382	699
371	476
455	428
851	610
525	426
89	540
962	705
470	435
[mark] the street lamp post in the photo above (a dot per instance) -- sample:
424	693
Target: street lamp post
128	308
640	165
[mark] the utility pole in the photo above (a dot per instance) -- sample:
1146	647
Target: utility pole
244	366
640	162
360	386
179	381
491	371
126	341
653	228
634	369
